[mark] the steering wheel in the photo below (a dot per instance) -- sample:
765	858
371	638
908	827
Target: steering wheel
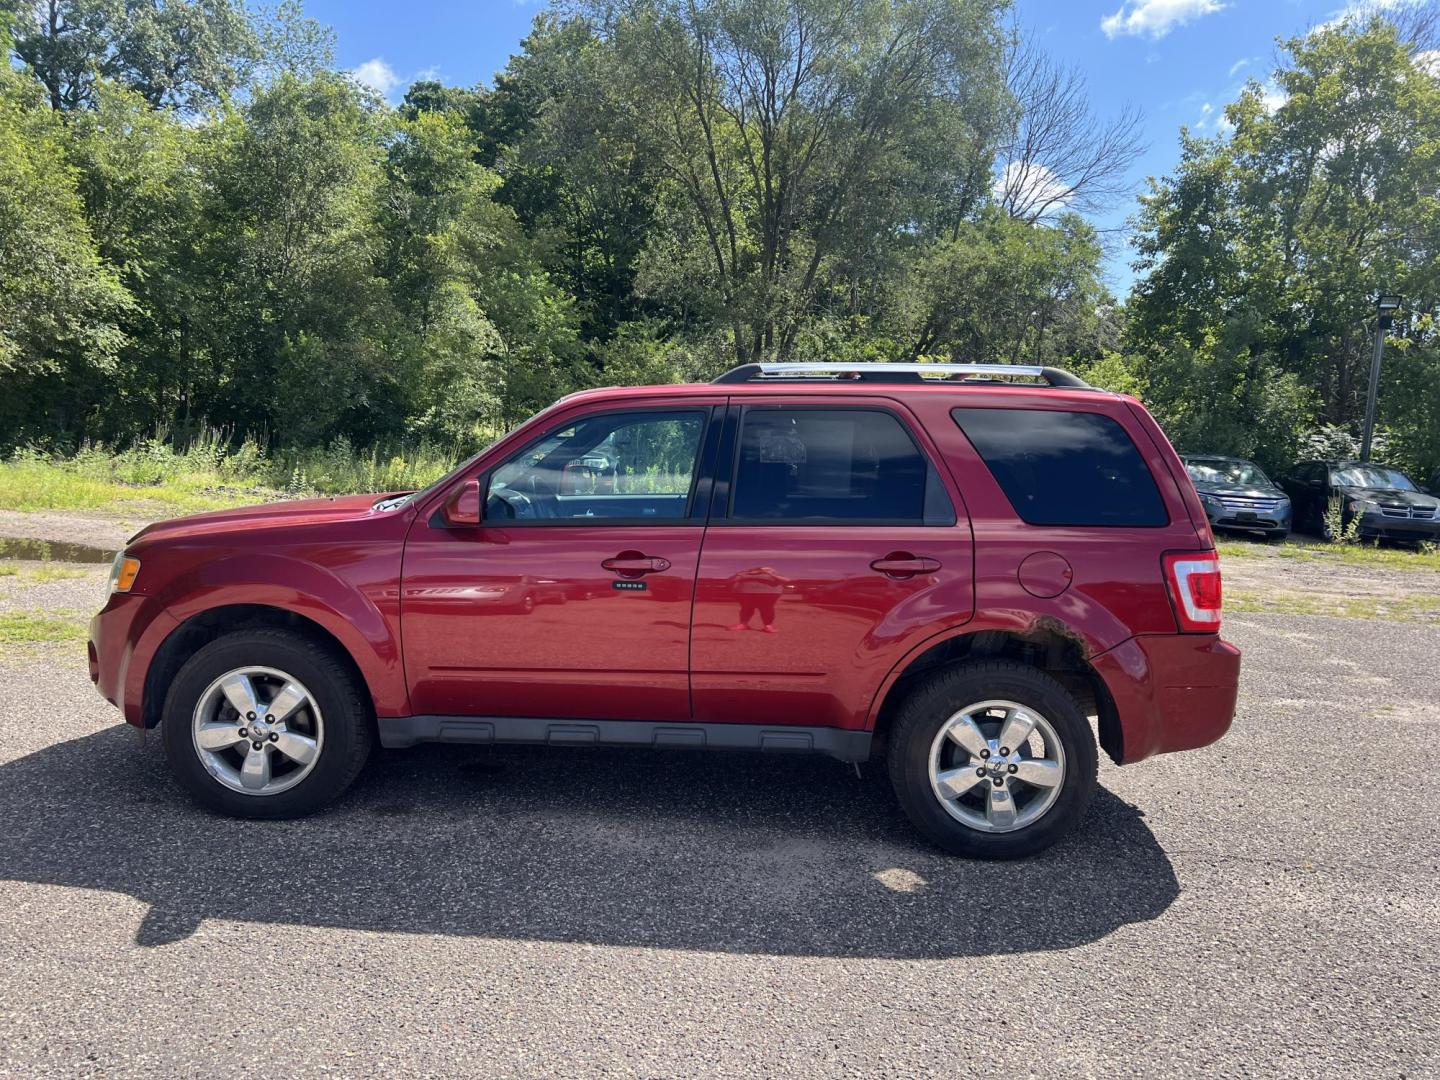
512	504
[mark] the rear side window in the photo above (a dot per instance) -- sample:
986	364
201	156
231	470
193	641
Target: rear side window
1065	468
834	466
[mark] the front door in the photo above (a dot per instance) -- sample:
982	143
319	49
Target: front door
834	550
572	598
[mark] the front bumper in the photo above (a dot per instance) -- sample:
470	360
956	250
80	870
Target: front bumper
1375	526
1170	692
124	636
1267	521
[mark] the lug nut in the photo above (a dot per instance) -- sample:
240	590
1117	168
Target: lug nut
1004	751
999	781
243	733
984	753
257	745
979	772
276	738
1014	768
249	716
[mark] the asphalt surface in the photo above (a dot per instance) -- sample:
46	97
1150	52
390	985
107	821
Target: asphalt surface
1265	907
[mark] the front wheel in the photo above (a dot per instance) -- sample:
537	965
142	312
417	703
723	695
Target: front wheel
265	724
992	759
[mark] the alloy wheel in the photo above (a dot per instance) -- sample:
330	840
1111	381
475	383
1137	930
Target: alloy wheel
997	766
258	730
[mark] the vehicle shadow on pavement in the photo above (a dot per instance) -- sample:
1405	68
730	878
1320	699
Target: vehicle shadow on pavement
732	853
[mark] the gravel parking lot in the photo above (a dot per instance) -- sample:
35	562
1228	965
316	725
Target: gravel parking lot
1267	906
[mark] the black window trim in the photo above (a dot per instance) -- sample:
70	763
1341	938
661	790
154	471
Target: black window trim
1139	454
722	514
695	511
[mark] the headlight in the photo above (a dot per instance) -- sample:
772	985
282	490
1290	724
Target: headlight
1360	506
123	572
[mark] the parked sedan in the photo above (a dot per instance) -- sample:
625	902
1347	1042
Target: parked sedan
1388	504
1238	495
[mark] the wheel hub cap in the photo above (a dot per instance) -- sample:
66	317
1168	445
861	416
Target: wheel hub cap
997	766
257	731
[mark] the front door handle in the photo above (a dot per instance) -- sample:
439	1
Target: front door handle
901	564
635	564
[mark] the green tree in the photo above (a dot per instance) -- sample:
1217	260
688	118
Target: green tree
999	289
187	54
1262	255
792	136
60	305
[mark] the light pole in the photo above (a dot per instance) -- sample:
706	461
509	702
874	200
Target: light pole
1386	304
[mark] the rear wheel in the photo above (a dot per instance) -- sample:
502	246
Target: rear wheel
265	724
992	760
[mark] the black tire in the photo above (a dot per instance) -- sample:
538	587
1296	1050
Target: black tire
1277	536
345	705
931	704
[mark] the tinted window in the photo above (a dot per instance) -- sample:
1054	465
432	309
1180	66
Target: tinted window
834	465
1064	468
614	465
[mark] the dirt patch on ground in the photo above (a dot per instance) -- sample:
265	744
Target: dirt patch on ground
64	526
1267	582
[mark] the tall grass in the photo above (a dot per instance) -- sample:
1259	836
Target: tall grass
209	473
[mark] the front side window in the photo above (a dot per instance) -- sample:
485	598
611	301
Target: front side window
636	466
1065	468
831	466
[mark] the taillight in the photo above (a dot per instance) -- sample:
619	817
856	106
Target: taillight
1194	581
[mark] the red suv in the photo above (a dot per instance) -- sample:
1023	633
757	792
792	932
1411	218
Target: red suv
961	566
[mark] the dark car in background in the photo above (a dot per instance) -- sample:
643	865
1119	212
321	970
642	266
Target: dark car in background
1388	504
1237	495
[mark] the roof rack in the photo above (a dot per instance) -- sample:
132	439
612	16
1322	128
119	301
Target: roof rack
965	374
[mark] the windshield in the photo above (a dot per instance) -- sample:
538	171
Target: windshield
1371	476
1225	471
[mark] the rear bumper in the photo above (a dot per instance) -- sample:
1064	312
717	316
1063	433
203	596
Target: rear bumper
1170	692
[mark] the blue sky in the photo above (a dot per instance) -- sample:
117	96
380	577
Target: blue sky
1179	61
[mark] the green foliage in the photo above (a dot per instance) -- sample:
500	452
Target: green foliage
213	471
179	53
202	223
1335	528
60	304
1264	252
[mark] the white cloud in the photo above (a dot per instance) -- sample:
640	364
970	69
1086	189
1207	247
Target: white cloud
1029	188
1429	60
1272	97
378	75
1155	18
1207	114
1243	62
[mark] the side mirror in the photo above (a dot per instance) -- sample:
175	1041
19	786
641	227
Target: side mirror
463	505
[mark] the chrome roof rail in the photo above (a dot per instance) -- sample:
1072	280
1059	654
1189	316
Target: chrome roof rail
961	374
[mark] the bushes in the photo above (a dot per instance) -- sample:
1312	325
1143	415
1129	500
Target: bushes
209	473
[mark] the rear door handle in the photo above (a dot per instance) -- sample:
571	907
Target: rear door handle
901	564
634	564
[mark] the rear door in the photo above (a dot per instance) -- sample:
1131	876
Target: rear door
834	546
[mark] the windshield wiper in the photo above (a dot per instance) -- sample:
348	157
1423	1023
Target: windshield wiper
394	502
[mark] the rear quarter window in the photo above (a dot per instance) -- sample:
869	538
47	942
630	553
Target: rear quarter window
1065	468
